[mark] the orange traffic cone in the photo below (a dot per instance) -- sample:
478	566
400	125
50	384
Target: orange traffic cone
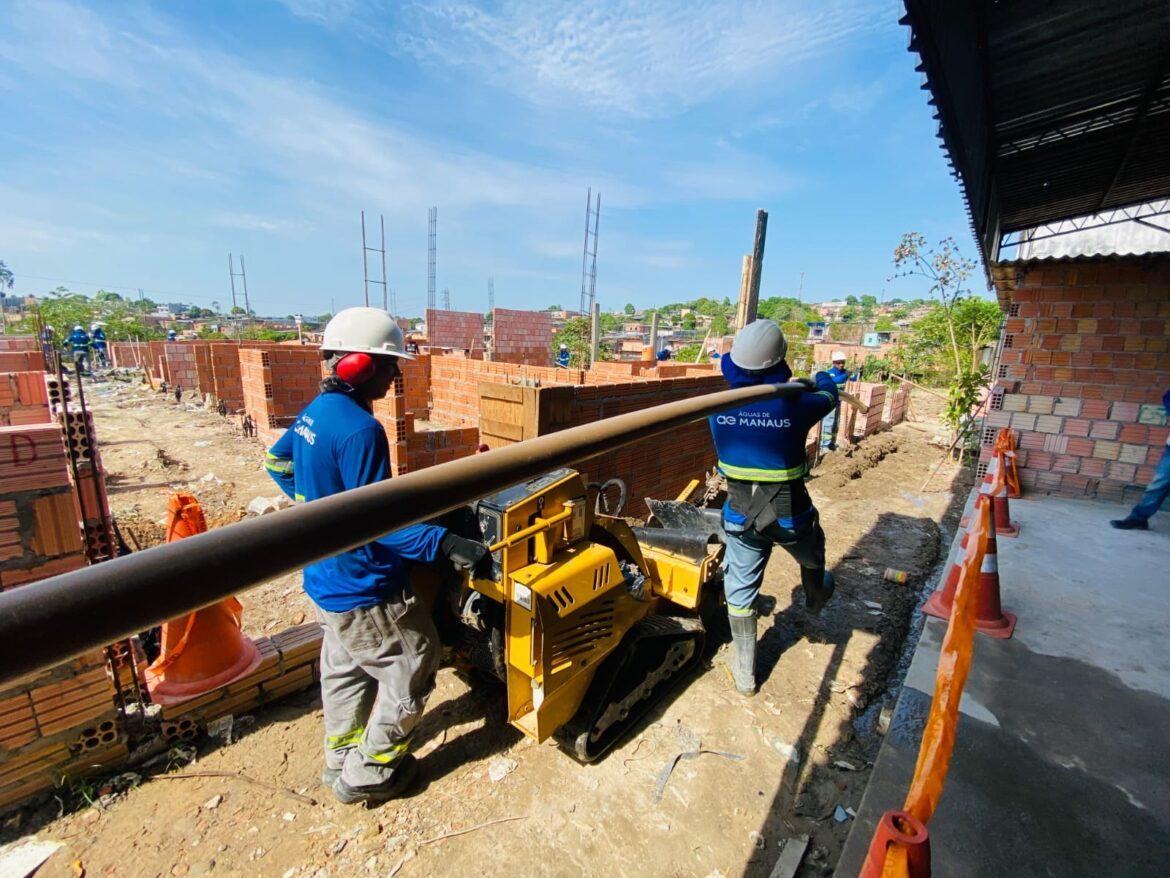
990	617
1005	450
900	830
1004	526
205	649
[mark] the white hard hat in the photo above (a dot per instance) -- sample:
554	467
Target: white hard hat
365	330
838	355
79	326
564	347
758	346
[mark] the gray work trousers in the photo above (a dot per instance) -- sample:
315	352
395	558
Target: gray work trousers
378	666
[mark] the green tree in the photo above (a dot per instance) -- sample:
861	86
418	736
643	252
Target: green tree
554	308
629	309
852	300
6	277
719	325
958	327
688	320
884	324
574	334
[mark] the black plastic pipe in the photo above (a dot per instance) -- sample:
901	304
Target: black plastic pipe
53	620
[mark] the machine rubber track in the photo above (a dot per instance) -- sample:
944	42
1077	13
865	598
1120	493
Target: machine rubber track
656	653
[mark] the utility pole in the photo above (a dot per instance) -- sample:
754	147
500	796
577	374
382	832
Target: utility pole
244	278
432	252
654	332
757	270
800	291
491	294
365	264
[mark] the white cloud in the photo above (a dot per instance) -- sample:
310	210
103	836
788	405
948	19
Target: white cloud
650	58
250	222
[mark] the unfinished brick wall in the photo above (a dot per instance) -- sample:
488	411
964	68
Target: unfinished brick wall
19	343
1084	364
181	369
522	337
660	467
226	380
24	399
278	382
22	361
455	384
461	330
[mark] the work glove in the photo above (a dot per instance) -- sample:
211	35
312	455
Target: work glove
463	553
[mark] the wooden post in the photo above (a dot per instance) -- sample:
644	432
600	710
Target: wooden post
753	298
745	275
595	335
654	333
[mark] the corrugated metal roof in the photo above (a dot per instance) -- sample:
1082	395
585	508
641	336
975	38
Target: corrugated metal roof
1048	110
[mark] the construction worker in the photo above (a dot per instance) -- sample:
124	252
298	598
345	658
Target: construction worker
380	649
663	355
172	335
1156	491
79	344
761	452
98	335
563	357
840	375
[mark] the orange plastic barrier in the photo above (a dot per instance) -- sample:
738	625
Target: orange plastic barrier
205	649
901	843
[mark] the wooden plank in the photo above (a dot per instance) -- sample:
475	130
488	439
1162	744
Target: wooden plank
501	429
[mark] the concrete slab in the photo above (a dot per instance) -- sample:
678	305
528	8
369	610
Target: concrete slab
1060	764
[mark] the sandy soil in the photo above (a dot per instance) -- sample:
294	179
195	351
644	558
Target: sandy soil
490	801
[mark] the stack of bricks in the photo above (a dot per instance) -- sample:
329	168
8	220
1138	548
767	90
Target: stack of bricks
458	330
24	399
277	383
60	723
430	447
19	343
204	382
522	337
862	424
89	483
289	662
1085	360
227	385
22	361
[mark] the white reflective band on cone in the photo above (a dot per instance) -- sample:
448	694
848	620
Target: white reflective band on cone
990	564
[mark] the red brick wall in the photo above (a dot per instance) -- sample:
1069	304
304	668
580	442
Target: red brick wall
24	399
227	384
22	361
522	337
277	383
1085	361
180	358
462	330
455	384
660	467
19	343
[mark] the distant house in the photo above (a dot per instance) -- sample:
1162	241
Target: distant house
831	310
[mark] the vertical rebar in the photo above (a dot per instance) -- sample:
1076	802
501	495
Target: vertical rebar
365	265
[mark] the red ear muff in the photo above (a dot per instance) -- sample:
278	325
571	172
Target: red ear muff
355	368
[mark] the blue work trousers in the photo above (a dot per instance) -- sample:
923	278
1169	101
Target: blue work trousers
829	428
748	551
1156	491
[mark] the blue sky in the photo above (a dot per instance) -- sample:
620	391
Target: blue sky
143	142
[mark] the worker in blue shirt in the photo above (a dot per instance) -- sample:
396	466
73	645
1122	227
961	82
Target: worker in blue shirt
563	356
79	343
172	335
380	649
840	375
98	335
761	451
663	355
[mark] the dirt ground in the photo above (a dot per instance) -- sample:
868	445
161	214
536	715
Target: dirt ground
490	801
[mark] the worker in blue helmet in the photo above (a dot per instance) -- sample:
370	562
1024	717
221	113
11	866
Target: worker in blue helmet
79	346
761	451
563	356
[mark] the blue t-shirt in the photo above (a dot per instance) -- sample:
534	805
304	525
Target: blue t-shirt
333	446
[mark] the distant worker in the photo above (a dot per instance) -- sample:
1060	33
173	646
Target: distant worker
713	354
840	375
1156	491
172	335
98	335
761	452
79	347
563	357
380	650
663	355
